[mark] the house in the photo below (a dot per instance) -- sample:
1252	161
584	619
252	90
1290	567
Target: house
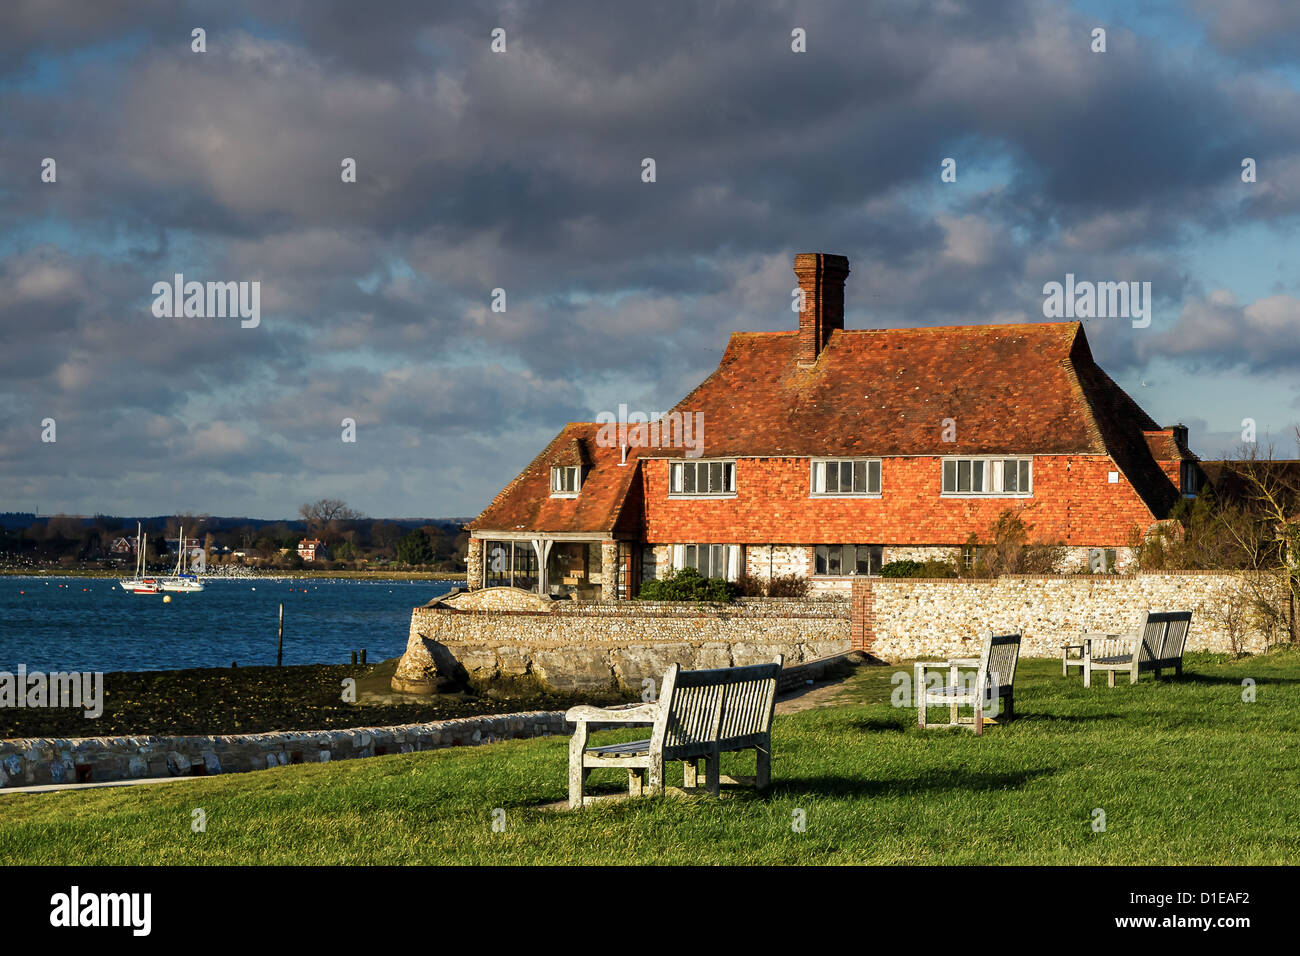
312	550
122	546
828	452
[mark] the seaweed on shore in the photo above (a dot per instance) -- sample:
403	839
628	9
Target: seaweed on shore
243	700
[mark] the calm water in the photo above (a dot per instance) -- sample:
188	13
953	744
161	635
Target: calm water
91	624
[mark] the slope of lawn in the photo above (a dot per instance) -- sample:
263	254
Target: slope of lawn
1184	770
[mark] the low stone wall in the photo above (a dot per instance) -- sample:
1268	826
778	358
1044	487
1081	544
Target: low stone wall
482	637
34	761
897	619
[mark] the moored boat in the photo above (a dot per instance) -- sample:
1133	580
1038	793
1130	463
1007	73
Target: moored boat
183	580
139	584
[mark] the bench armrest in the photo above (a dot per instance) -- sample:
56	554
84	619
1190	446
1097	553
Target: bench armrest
626	714
964	662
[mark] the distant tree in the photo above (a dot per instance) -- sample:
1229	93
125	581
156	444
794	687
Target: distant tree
328	518
384	536
415	548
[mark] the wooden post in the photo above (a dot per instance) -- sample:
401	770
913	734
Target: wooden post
279	643
363	655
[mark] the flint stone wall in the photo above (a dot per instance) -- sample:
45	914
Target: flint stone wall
34	761
899	618
584	646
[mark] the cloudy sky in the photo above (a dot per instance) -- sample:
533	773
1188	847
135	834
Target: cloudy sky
522	170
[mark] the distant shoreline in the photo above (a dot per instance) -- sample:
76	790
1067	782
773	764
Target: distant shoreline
244	574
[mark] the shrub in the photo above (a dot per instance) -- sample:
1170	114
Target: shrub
788	586
1009	550
780	586
686	584
907	568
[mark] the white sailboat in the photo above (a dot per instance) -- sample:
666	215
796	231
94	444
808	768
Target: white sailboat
140	584
183	579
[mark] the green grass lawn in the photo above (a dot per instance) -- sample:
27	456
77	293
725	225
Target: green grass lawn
1185	771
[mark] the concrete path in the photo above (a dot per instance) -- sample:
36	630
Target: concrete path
56	787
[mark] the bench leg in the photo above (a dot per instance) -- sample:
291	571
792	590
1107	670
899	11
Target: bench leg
655	774
1178	669
763	774
1064	657
1133	676
979	718
1110	678
577	784
920	712
635	781
690	773
1087	676
712	773
577	772
1009	707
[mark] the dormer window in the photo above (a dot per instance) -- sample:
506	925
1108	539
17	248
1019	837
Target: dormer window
1191	479
566	481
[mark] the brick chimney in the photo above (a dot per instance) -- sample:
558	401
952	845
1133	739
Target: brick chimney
821	277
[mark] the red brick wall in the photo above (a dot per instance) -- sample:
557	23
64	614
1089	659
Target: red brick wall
1073	504
861	620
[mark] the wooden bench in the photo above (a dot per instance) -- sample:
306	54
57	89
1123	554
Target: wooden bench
699	716
1156	645
994	683
1072	656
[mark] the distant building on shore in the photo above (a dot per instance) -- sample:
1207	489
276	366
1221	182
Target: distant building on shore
312	550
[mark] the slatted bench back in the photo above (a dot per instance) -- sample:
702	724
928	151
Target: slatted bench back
723	708
1153	637
1174	638
998	659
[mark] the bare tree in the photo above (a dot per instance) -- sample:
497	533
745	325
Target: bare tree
1269	535
1009	550
327	518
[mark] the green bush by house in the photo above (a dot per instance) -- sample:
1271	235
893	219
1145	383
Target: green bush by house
686	584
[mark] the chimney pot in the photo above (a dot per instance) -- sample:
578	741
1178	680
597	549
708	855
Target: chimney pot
821	277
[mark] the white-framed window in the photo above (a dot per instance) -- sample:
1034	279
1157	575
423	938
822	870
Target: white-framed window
708	478
1008	477
566	481
711	560
841	477
839	559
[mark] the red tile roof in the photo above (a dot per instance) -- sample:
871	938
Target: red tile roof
1008	388
526	503
1030	388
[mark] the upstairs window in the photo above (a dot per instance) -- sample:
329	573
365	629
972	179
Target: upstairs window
566	481
1011	477
702	478
846	476
1191	479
